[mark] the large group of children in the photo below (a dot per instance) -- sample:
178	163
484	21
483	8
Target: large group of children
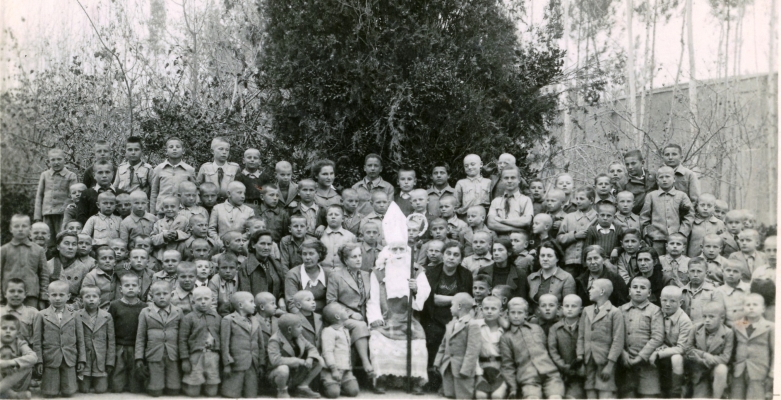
237	281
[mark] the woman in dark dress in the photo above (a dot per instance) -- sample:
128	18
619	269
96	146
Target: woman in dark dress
597	267
262	272
504	272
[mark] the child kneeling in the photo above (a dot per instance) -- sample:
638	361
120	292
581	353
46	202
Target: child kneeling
289	365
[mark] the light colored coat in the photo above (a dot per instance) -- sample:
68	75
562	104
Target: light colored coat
754	355
155	336
460	348
56	342
99	341
240	342
601	336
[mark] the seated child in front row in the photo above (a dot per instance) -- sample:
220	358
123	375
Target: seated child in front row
337	374
676	340
199	346
525	359
295	369
63	342
242	357
157	343
99	339
709	353
752	369
459	351
489	381
124	312
562	346
16	360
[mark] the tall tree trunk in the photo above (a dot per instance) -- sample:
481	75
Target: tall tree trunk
692	69
772	117
566	96
651	69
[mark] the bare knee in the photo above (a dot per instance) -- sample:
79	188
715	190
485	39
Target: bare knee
677	363
282	374
480	395
350	389
332	391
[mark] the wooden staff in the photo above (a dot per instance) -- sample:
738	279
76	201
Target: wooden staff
409	321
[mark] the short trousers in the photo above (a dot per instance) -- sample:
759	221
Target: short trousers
491	379
358	329
545	386
164	374
59	380
295	378
205	368
328	379
594	382
641	379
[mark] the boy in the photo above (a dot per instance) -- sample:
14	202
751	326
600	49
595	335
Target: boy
525	359
103	276
698	292
170	230
541	227
733	220
157	347
601	336
74	227
644	327
290	245
224	284
16	360
88	202
482	242
208	192
182	295
512	210
562	346
666	211
734	291
553	206
124	207
455	226
768	271
749	219
144	242
98	328
337	376
203	273
71	207
370	246
199	347
640	181
235	243
419	200
474	190
240	342
721	209
335	236
749	256
475	220
547	311
167	175
406	180
523	259
253	179
481	288
23	259
104	225
53	191
121	261
133	174
198	230
230	215
352	218
372	166
379	206
220	172
752	369
266	314
40	235
308	208
711	252
139	222
459	351
292	360
505	160
604	232
675	265
439	187
139	261
58	341
685	180
625	218
125	312
677	330
15	293
188	197
170	262
704	224
603	187
566	184
490	383
572	232
537	194
312	322
710	351
276	217
288	190
102	155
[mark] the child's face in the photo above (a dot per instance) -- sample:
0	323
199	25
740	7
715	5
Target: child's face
406	181
133	152
284	175
306	192
209	197
371	235
517	314
252	161
616	173
595	293
480	290
480	244
605	217
334	218
350	202
645	263
239	245
221	152
174	149
144	244
170	209
455	309
308	303
107	206
255	226
140	205
732	275
8	332
499	253
548	309
565	184
434	253
203	301
266	307
59	295
120	251
84	245
247	305
228	271
189	196
202	270
186	279
171	262
372	167
670	303
472	166
474	218
749	222
697	273
40	235
124	206
625	204
539	225
552	203
20	228
711	248
106	261
199	228
719	212
129	288
747	242
519	242
671	157
734	225
161	296
675	247
380	203
446	209
15	295
57	161
634	166
201	251
439	231
271	197
138	260
582	201
753	306
91	300
419	202
439	176
665	180
639	291
771	250
603	186
571	308
236	195
630	244
103	175
102	152
537	190
76	194
74	227
295	331
711	319
492	310
298	228
705	207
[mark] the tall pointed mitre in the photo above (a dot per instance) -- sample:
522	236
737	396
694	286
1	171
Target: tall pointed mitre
394	225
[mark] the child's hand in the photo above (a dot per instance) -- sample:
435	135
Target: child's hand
319	231
580	235
171	236
606	373
186	367
357	316
39	369
308	363
141	369
227	370
109	370
5	364
80	366
337	374
378	323
653	358
556	225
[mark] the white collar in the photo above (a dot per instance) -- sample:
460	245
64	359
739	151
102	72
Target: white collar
606	230
305	281
255	174
111	186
